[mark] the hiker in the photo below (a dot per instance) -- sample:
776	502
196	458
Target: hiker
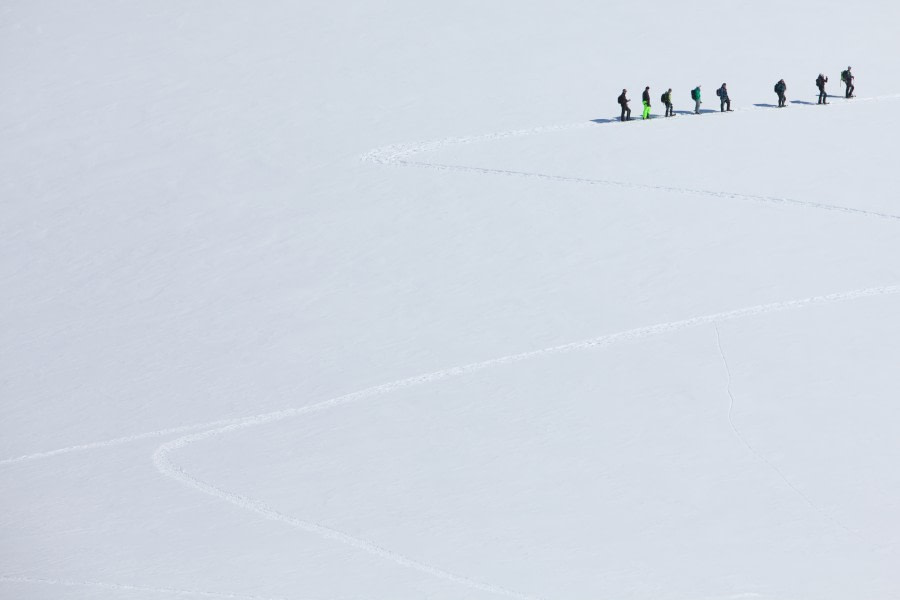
780	88
623	102
821	80
724	100
646	100
847	78
667	100
695	96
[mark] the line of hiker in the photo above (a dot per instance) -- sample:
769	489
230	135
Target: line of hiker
666	99
846	78
725	100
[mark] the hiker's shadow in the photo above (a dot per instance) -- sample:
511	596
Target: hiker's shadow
803	102
703	111
601	121
765	105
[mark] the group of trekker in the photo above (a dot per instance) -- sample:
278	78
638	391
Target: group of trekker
725	100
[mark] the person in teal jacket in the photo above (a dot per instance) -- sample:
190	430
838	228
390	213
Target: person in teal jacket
695	96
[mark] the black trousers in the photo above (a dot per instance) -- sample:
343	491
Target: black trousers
850	88
669	110
626	112
725	104
781	100
822	96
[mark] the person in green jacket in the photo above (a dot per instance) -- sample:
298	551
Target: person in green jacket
667	100
695	96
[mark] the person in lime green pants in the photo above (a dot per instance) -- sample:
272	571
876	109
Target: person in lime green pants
646	99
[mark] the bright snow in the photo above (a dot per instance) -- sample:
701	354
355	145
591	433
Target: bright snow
328	300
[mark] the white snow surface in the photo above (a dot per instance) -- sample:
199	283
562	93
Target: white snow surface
377	300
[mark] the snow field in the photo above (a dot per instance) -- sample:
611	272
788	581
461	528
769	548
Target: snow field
230	349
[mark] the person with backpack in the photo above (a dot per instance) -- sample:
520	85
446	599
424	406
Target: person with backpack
695	96
667	100
646	100
848	78
821	80
780	89
724	100
623	102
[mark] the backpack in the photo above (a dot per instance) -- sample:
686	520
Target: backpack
844	75
664	99
719	92
694	94
776	89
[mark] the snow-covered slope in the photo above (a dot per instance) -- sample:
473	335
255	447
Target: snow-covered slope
331	300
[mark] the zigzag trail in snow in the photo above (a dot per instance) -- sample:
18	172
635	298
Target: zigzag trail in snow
120	587
398	154
401	155
162	458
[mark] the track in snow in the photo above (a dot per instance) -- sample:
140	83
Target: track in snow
119	441
164	463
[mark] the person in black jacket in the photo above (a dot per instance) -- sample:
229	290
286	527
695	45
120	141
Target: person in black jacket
645	98
623	102
724	100
821	80
780	89
847	78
